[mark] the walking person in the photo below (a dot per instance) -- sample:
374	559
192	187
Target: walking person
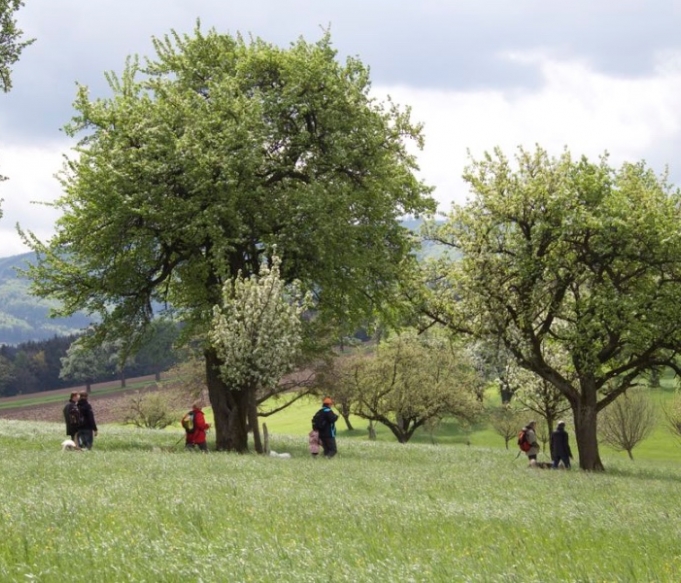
196	437
531	437
560	446
324	422
72	416
88	426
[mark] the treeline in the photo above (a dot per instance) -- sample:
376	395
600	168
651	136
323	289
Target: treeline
35	366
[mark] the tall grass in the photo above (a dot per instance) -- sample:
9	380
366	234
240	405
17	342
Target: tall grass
134	510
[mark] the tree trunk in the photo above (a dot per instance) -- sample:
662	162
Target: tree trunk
346	418
230	408
586	432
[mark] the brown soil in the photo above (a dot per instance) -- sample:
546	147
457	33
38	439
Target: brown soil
108	407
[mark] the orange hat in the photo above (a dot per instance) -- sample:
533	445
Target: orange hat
327	401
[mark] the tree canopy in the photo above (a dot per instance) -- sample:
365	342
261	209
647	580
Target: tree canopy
209	154
565	252
406	382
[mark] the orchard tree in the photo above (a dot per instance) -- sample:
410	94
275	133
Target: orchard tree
409	381
85	364
572	253
506	422
628	421
257	333
207	155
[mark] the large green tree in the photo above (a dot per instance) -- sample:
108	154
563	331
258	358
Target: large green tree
208	154
571	253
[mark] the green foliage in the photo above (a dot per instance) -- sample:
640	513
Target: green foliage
11	44
213	149
572	253
405	383
151	410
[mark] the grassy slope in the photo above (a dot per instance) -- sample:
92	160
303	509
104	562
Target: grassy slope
378	512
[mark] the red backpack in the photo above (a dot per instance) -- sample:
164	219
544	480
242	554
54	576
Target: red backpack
523	444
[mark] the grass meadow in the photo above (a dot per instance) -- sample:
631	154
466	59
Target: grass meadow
139	509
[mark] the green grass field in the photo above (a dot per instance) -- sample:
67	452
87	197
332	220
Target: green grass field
138	508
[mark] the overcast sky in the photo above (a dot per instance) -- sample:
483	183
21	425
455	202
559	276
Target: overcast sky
592	75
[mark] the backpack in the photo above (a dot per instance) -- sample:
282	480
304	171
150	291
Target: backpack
74	416
188	422
319	421
523	444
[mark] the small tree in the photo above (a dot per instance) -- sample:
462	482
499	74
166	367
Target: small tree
150	410
257	334
409	381
505	421
628	421
672	413
84	364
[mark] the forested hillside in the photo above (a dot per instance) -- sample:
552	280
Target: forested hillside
24	317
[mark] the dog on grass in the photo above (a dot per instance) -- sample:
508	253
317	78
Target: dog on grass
541	465
69	445
280	455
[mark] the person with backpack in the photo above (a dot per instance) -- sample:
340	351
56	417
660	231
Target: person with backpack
195	426
528	442
72	416
560	446
324	423
88	426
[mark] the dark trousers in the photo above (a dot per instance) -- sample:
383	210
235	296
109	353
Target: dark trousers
85	438
201	446
563	458
329	446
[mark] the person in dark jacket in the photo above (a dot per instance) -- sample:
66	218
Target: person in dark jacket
560	446
196	439
72	416
326	426
88	426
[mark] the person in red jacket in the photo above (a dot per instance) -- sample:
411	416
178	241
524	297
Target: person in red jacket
197	437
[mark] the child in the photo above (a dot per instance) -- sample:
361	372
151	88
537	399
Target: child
314	442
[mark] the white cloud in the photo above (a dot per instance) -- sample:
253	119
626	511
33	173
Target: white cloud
31	172
575	107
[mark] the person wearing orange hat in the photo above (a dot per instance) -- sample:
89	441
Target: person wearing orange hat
324	423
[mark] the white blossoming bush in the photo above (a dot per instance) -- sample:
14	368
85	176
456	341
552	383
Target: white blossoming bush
257	332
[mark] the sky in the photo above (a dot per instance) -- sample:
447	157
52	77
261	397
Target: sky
587	75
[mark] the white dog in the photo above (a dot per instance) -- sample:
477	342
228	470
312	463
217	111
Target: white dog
69	445
280	455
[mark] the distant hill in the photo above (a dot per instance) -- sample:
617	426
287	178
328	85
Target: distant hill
24	317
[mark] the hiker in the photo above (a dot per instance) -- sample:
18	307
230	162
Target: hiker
88	426
72	416
324	422
560	446
531	437
196	438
